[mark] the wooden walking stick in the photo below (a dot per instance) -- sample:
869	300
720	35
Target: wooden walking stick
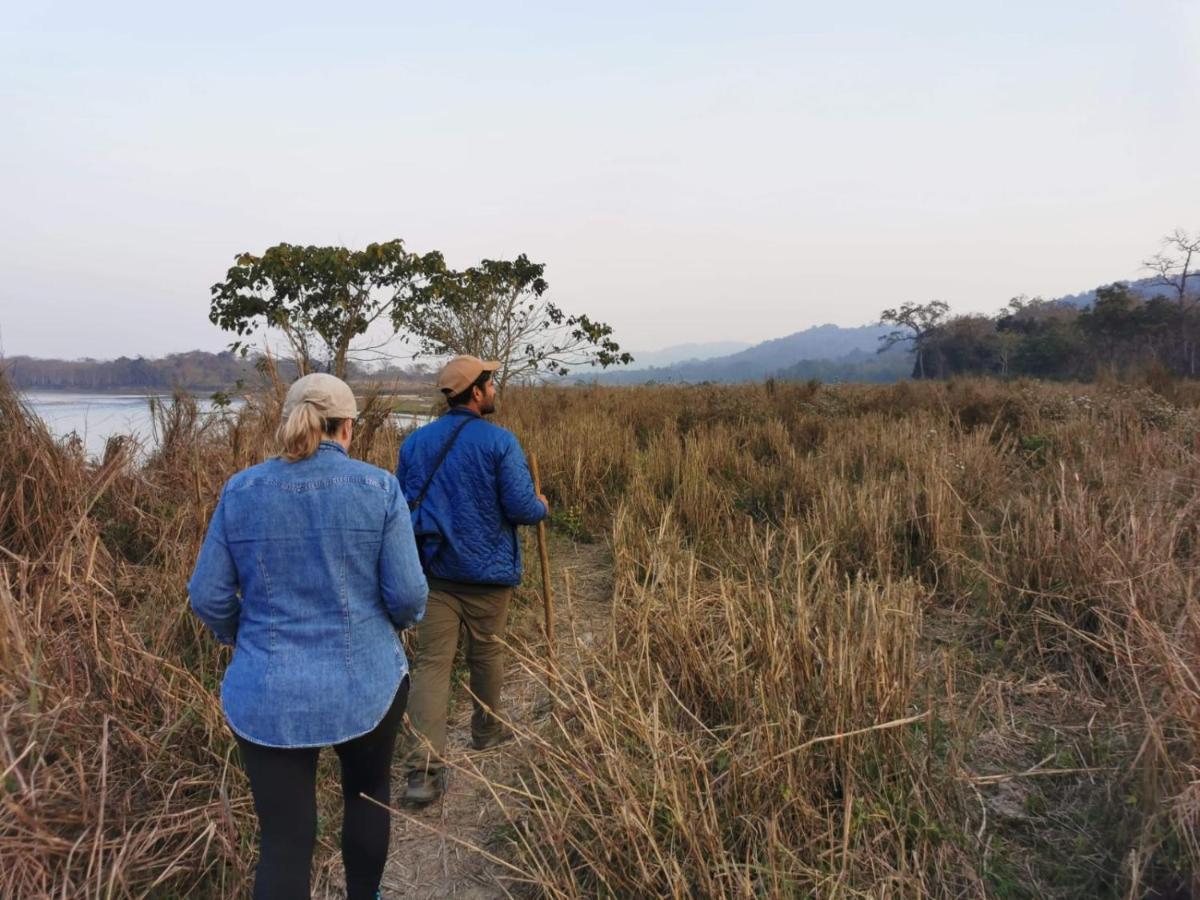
547	593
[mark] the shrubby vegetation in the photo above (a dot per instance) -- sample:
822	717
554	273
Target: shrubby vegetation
925	639
120	775
932	639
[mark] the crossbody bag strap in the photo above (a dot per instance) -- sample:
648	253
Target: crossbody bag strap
413	504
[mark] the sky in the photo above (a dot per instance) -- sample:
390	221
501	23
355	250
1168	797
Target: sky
688	172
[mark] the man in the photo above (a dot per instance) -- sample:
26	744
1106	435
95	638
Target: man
468	487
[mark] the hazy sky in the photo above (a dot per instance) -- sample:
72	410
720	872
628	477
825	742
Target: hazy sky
688	172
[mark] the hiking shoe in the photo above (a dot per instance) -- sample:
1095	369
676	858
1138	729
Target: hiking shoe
424	788
501	736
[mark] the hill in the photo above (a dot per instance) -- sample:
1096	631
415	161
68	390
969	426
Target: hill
825	352
1143	287
844	351
680	353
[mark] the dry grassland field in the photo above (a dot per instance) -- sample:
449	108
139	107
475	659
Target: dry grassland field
921	640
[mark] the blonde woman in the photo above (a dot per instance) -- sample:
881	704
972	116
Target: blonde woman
308	569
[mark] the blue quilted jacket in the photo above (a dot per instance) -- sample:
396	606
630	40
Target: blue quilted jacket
466	524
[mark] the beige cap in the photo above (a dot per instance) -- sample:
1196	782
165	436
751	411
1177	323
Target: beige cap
460	373
330	397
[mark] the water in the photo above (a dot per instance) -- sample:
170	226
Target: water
97	417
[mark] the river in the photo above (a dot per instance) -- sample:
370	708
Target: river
96	417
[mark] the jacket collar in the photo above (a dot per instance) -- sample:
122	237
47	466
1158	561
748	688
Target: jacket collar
333	445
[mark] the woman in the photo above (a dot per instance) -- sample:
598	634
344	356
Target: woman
308	568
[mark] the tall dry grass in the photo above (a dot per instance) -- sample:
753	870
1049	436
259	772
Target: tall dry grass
119	774
920	640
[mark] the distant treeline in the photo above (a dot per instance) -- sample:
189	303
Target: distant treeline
193	371
1121	332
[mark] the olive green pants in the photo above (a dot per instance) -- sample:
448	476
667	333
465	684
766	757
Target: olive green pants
482	612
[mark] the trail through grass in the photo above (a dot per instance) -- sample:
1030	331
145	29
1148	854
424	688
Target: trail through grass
919	640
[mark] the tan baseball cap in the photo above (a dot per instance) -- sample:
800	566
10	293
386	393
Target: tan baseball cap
460	373
330	396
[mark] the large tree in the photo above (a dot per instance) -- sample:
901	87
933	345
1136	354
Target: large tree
1175	265
323	299
916	324
499	310
1174	268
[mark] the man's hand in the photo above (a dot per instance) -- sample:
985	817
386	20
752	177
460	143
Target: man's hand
542	497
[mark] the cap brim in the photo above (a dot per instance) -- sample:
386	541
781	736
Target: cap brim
490	365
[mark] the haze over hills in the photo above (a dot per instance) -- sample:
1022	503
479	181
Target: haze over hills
678	353
821	342
826	352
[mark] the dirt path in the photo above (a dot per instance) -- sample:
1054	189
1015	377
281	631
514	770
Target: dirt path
428	856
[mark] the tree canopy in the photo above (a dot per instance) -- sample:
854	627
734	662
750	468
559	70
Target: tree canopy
916	323
1151	326
322	299
499	310
1121	332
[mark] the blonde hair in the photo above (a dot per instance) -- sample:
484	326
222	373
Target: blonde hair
301	434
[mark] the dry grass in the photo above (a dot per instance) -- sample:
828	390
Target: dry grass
119	774
922	640
935	639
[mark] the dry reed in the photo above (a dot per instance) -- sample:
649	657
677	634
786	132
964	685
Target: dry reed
920	640
120	776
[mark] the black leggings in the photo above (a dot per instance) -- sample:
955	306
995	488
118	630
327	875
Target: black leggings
283	781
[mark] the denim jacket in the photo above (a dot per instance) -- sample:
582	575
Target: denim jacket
307	569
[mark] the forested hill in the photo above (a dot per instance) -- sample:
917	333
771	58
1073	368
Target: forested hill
833	353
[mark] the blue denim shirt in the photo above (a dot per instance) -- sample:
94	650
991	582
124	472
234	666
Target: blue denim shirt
307	569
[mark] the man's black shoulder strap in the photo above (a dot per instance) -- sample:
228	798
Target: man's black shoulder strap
413	504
